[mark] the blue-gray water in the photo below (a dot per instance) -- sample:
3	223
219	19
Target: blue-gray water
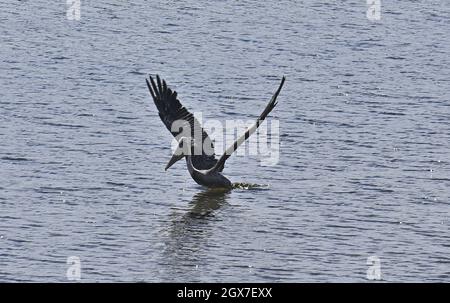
364	159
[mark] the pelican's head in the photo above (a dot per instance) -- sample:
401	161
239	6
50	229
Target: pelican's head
185	148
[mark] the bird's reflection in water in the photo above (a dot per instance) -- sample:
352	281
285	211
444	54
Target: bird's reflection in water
206	202
200	211
187	244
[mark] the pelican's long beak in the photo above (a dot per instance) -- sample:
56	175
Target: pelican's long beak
175	158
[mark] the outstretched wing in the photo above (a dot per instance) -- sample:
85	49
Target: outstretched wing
170	111
273	102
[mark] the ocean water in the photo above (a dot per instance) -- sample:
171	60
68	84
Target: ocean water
363	170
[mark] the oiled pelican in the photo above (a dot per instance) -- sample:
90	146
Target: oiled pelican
203	167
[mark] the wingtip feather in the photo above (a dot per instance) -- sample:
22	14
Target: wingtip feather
150	89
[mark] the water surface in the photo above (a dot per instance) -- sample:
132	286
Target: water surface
364	164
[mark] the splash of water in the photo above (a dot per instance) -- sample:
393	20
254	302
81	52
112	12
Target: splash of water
240	185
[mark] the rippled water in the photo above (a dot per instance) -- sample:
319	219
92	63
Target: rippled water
365	131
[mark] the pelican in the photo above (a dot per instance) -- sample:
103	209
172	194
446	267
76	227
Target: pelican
202	165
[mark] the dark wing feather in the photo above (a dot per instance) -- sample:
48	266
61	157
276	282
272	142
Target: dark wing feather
171	110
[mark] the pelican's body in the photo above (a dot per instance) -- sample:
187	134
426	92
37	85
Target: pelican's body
206	177
203	167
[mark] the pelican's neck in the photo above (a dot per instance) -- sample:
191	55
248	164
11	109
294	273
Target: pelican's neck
190	166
